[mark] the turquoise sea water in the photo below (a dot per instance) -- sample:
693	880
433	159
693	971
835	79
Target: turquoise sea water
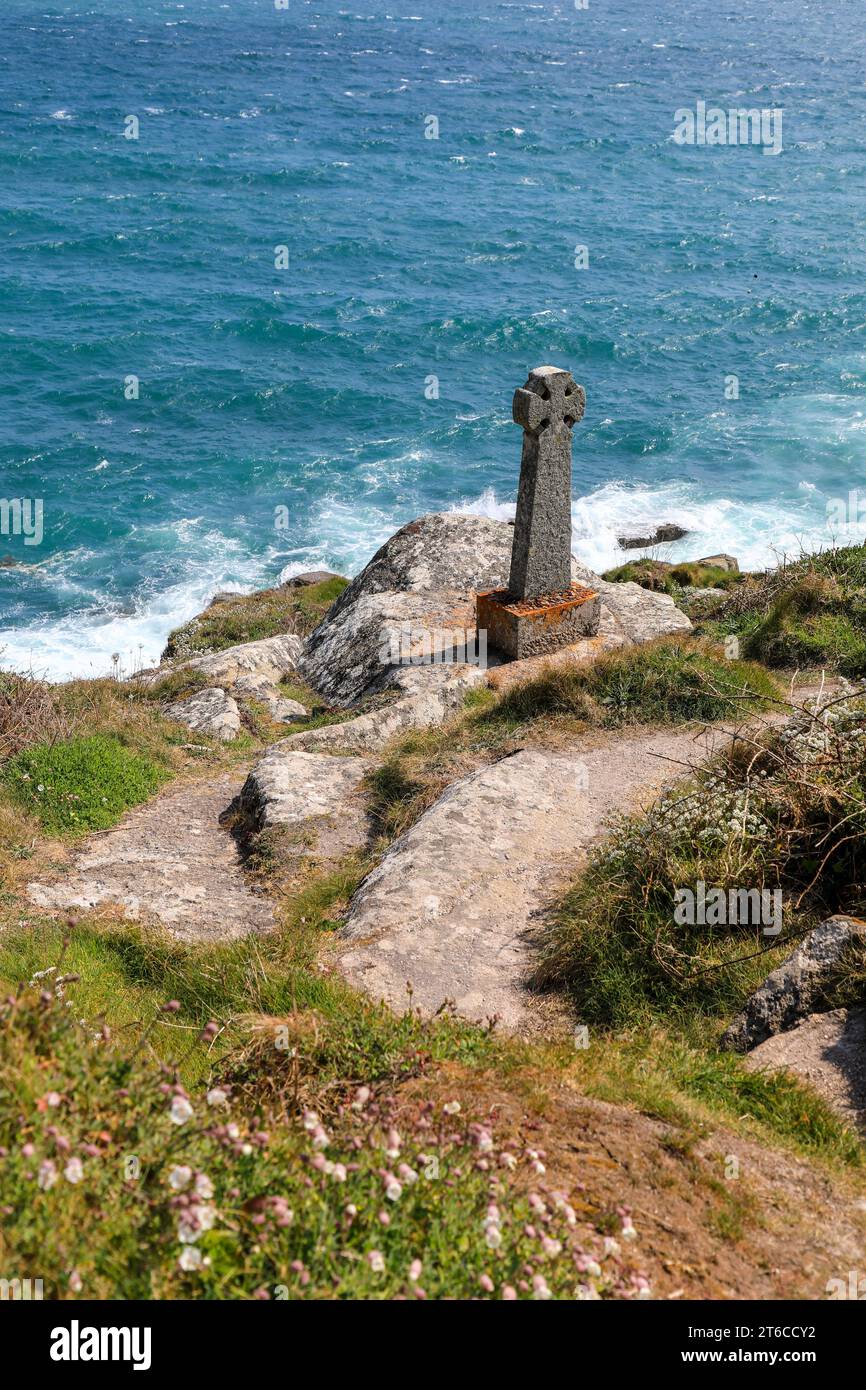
298	395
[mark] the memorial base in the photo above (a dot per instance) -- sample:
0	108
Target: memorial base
521	628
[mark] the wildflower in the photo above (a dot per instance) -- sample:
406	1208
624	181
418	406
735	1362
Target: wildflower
509	1293
628	1231
217	1096
376	1261
75	1281
452	1107
191	1258
311	1121
486	1283
181	1110
339	1172
406	1174
393	1189
180	1177
540	1288
392	1147
172	1007
52	1098
551	1247
203	1186
415	1271
362	1095
74	1170
47	1174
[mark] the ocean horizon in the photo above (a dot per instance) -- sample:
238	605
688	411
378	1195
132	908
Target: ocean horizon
271	276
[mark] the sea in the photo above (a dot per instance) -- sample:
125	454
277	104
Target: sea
271	270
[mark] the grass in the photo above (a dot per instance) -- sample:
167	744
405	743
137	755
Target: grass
663	577
810	613
82	784
250	617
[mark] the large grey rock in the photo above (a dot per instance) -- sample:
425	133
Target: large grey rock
829	1052
798	986
281	709
668	531
426	576
210	711
291	788
270	659
433	694
458	900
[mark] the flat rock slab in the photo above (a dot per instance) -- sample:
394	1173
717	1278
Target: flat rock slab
455	904
289	787
169	860
434	694
827	1050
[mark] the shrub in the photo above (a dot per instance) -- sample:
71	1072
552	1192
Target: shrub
785	813
810	613
82	784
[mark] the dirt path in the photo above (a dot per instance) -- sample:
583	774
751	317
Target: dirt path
168	860
453	907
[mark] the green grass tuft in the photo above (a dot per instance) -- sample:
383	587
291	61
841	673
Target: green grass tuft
81	784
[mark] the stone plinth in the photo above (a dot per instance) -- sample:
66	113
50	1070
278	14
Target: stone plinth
520	628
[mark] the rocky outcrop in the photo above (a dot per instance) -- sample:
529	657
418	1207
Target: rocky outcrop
424	580
434	693
457	902
281	709
308	579
289	786
720	562
799	986
829	1052
269	659
210	712
668	531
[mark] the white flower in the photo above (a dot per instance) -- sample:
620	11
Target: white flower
376	1261
452	1107
180	1177
540	1289
75	1281
74	1170
393	1190
191	1258
217	1096
415	1271
181	1110
47	1176
203	1186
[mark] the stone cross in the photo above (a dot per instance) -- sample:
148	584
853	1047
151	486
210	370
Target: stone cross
547	407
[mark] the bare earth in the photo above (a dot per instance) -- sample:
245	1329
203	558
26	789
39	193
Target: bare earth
169	860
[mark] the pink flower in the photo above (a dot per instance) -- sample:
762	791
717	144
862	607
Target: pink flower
540	1289
486	1283
75	1281
509	1293
415	1271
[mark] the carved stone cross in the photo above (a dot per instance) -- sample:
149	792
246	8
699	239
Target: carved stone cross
547	407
